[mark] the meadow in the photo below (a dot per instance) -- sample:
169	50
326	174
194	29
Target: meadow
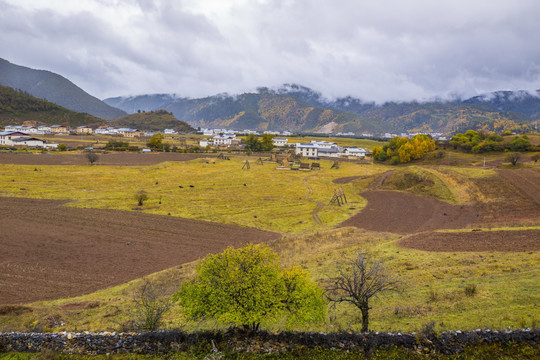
436	285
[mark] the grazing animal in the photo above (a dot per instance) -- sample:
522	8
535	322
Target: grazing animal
191	186
180	186
245	184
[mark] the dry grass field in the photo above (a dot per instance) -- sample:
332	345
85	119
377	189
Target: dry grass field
440	226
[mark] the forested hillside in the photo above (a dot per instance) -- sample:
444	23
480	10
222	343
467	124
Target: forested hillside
152	120
17	107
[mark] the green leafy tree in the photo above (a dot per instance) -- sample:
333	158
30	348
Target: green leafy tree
519	143
379	154
253	143
267	144
246	287
155	141
62	147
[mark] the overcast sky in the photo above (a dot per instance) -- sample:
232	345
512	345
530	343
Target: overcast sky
376	50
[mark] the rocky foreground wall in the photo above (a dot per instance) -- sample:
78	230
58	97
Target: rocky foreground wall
450	342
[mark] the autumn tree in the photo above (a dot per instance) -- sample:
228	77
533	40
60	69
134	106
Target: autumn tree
246	287
155	141
358	282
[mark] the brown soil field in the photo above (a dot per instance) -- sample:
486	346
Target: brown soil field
346	180
48	250
527	181
402	213
113	158
515	240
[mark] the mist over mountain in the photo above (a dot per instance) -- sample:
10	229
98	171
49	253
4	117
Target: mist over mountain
55	88
297	108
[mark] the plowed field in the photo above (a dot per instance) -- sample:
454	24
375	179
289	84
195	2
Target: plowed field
402	213
514	240
48	250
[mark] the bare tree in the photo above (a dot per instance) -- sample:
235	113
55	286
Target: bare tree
358	282
513	158
92	157
150	306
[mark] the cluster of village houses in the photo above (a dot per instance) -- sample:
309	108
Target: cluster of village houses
22	136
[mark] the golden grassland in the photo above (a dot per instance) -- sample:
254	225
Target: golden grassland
507	286
222	191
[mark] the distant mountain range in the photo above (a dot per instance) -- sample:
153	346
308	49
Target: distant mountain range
297	108
55	88
291	107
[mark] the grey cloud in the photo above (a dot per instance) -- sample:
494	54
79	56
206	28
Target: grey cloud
376	50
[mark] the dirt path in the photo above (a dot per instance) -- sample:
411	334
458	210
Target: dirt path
514	240
402	213
320	205
50	251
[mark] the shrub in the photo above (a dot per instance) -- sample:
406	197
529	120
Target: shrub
141	197
470	290
150	306
62	147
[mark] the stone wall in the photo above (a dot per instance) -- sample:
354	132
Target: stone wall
450	342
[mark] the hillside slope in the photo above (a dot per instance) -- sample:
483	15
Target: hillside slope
154	121
17	107
55	88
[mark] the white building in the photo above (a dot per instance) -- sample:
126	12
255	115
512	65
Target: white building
46	129
169	131
17	138
224	140
307	150
280	142
353	152
203	143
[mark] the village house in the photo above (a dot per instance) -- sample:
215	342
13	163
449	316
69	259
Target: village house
59	129
46	129
7	137
20	139
280	142
27	141
353	153
83	130
227	140
317	149
127	132
307	150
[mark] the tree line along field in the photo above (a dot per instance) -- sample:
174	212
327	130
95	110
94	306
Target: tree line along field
458	197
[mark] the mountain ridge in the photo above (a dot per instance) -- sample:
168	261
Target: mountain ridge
55	88
297	108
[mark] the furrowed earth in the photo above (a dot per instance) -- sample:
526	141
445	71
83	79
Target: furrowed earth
50	251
